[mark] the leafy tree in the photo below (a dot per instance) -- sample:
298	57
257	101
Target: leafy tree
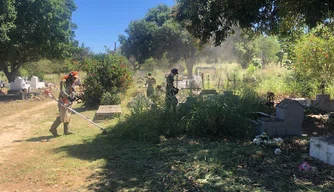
139	41
314	55
206	19
176	43
160	14
156	36
268	48
245	51
7	18
31	30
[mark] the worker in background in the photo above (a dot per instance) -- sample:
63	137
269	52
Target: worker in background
171	91
150	82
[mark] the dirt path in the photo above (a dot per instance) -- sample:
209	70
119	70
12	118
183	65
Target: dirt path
18	121
31	159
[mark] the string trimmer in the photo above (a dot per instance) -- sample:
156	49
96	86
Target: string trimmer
48	93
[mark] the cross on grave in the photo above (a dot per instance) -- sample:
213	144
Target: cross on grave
322	87
234	82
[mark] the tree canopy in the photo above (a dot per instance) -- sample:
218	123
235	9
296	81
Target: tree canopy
31	30
7	17
206	19
158	35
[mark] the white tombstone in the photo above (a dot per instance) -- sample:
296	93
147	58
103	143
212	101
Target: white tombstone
322	148
292	113
181	84
35	83
17	84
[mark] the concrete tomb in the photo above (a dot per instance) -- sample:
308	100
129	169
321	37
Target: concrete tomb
322	148
287	122
17	84
35	83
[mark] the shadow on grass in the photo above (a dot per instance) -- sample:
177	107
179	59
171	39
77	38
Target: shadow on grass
41	139
8	98
186	164
80	108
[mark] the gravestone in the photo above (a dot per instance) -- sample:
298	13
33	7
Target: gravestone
322	148
287	122
34	83
304	102
323	101
17	84
107	111
292	114
208	92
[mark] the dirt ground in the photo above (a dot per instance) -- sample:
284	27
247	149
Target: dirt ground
17	121
30	159
27	158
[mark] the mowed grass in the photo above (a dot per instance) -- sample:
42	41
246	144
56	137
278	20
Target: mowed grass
90	161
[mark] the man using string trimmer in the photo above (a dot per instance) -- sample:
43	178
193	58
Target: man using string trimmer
171	91
66	97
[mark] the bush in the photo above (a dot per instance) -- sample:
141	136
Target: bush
314	55
109	98
301	85
214	117
222	116
106	78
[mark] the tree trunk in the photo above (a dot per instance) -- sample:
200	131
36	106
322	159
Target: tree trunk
190	64
12	74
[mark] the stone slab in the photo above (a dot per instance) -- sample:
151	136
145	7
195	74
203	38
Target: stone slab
107	111
322	148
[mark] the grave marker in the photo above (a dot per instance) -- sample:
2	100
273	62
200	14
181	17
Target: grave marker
107	111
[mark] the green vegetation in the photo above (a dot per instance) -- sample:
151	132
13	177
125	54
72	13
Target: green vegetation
107	76
205	145
315	55
215	20
159	36
197	164
215	117
32	30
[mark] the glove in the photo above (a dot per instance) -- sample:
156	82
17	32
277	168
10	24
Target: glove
71	99
175	90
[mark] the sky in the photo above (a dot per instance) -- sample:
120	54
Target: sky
100	22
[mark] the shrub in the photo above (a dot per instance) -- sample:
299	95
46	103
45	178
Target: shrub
314	55
215	117
301	85
109	98
106	77
222	116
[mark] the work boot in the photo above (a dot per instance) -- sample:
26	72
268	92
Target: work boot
54	126
66	131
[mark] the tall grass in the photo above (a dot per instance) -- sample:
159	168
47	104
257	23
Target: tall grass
214	117
273	79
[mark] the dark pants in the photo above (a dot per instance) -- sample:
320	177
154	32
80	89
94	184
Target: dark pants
171	102
56	124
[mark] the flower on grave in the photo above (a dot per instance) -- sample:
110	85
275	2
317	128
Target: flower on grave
277	151
305	167
257	141
278	140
